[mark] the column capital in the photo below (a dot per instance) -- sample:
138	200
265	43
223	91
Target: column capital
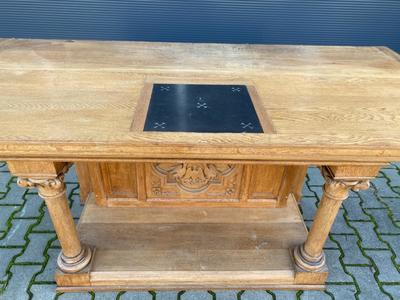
48	187
338	188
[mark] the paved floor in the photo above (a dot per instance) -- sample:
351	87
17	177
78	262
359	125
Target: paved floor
363	250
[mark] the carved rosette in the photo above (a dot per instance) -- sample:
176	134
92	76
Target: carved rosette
194	177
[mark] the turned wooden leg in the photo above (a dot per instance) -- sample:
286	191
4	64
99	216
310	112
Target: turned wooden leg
309	256
74	256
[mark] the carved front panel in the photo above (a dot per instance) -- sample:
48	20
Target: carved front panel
266	182
119	179
192	183
197	181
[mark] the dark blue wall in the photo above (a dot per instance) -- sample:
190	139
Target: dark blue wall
340	22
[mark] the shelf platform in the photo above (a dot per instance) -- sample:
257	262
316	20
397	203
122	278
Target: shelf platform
146	248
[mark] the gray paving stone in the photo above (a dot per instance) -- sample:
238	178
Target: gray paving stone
366	281
393	175
352	253
387	270
369	199
369	238
330	244
4	179
32	206
285	295
308	206
354	209
252	295
340	225
75	296
394	205
393	290
306	192
55	243
43	291
317	191
14	196
4	176
196	295
314	295
106	295
76	208
315	177
15	237
45	224
336	271
381	187
345	292
136	296
5	214
34	250
397	190
6	255
18	285
50	268
225	295
385	224
167	295
72	188
394	242
70	176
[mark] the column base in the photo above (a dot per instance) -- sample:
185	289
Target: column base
306	262
76	263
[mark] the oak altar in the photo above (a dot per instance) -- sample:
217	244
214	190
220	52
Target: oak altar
191	157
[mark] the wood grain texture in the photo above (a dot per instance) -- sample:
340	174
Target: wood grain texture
189	247
48	178
201	184
310	256
85	186
327	104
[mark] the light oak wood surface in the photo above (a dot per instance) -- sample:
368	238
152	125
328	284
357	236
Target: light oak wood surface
201	184
75	100
189	247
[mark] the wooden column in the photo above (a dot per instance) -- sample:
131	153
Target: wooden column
338	182
48	178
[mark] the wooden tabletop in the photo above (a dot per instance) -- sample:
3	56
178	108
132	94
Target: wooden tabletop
77	99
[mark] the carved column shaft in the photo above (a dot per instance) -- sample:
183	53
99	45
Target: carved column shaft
73	256
310	256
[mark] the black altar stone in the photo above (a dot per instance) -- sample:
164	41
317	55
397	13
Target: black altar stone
201	108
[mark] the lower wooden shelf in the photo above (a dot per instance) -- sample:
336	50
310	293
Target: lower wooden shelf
189	247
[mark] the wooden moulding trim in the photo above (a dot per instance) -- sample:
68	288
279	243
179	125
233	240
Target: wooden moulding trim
100	288
252	160
142	106
87	151
263	116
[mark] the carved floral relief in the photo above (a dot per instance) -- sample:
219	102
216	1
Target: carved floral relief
194	178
